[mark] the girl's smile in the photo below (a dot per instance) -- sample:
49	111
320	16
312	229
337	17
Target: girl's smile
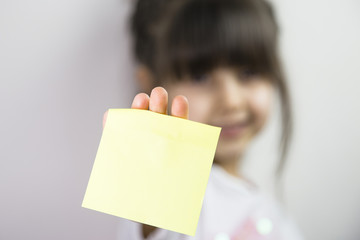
232	130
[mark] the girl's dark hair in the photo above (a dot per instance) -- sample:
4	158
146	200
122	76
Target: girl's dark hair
177	37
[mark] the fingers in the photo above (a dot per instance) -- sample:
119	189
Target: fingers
141	101
180	107
158	100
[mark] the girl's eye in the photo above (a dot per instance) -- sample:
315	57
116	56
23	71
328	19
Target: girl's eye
247	74
200	78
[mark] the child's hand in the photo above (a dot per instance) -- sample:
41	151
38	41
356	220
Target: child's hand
158	102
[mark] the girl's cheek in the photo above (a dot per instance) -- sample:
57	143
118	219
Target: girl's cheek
261	101
199	108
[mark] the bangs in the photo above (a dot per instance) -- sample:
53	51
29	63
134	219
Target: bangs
208	34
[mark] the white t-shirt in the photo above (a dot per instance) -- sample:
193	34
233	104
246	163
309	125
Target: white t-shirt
232	210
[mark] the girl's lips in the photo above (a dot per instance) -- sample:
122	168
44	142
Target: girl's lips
233	131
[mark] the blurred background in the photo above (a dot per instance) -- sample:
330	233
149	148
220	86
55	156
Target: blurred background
63	63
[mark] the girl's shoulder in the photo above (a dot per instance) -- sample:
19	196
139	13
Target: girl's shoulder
236	207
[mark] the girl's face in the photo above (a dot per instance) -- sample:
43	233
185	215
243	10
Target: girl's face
238	101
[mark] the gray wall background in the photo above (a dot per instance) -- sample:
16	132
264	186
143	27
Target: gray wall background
63	63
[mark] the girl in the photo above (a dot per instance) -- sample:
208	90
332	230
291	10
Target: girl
217	60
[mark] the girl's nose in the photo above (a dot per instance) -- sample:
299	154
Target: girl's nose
232	94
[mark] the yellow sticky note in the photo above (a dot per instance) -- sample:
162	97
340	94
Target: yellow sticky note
152	168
